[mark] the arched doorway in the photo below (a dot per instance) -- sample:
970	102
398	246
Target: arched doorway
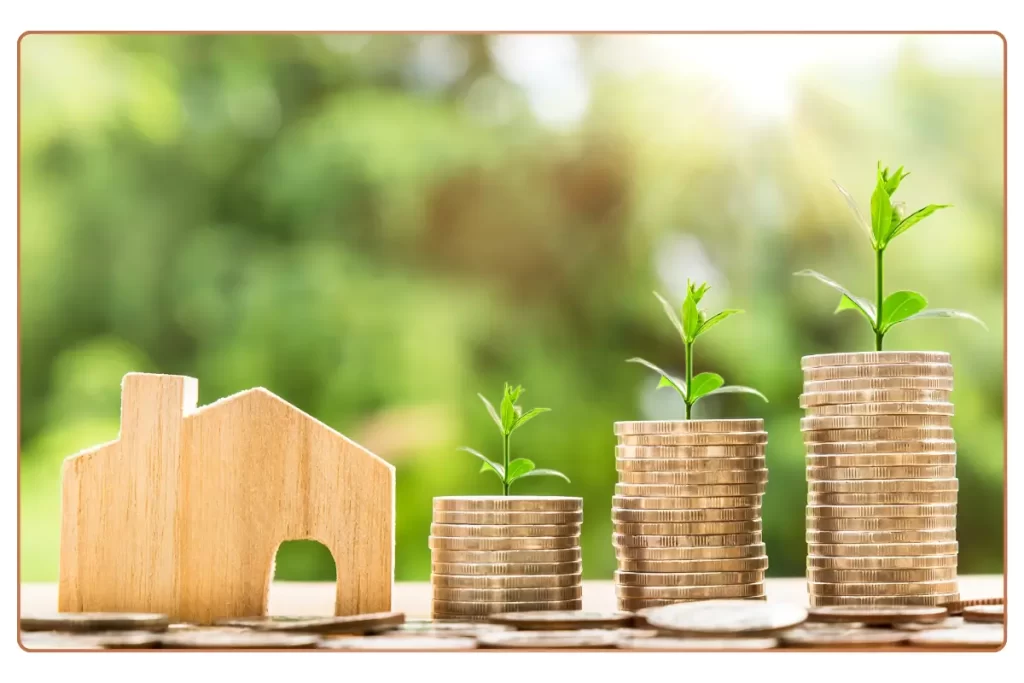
302	579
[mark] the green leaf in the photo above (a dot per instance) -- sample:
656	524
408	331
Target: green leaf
544	473
667	380
846	304
899	306
527	416
508	407
488	463
944	313
865	306
881	212
696	291
893	182
853	207
717	318
704	384
738	389
672	315
915	218
691	318
492	411
518	468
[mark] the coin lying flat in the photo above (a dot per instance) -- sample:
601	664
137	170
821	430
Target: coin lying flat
914	627
873	358
889	370
442	628
958	606
540	640
859	383
688	464
654	448
888	473
708	477
506	556
691	553
237	639
111	640
880	600
838	637
726	617
752	564
402	643
877	615
984	613
875	396
845	549
880	511
881	575
489	570
524	543
685	516
508	503
623	540
506	581
691	503
572	592
882	408
82	622
878	434
705	439
681	528
565	620
484	517
880	523
881	460
625	578
968	636
689	426
893	486
442	609
359	623
668	643
686	490
690	592
872	537
504	530
906	498
875	563
866	447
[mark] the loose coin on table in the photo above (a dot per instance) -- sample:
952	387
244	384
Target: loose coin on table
838	637
877	615
968	636
401	643
670	643
82	622
444	628
560	621
726	617
958	606
536	640
984	613
235	638
359	623
947	623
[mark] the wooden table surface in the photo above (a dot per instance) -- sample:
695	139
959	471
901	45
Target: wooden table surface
299	598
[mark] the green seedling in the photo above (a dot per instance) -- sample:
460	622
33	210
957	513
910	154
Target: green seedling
888	221
693	323
509	419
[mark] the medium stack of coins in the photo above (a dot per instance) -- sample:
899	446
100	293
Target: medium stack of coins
492	554
687	511
881	473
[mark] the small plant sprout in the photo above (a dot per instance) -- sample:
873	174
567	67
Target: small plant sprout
693	323
509	419
888	221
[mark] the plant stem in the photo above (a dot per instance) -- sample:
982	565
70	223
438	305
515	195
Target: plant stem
689	377
504	457
879	298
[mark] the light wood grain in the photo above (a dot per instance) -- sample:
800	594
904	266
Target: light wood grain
184	513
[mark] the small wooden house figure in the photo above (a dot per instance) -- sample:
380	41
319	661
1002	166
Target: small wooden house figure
184	513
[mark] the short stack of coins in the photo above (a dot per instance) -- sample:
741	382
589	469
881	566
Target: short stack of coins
492	554
687	511
881	478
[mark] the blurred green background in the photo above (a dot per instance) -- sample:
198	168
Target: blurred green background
375	228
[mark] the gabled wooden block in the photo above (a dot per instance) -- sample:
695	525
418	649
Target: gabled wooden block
184	513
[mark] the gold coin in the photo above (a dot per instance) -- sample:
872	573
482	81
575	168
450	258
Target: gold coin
688	490
985	614
550	640
982	636
94	622
874	358
882	460
669	452
507	581
683	528
883	408
404	643
491	569
880	523
893	486
687	464
879	600
691	553
836	636
879	434
442	609
750	564
730	439
624	540
506	531
904	536
886	473
533	543
875	422
865	563
506	556
874	396
883	549
886	370
640	605
690	503
573	592
689	426
958	606
947	623
352	624
455	517
861	383
685	516
740	590
881	575
909	498
672	644
713	477
562	621
508	503
880	511
880	615
883	589
863	447
624	578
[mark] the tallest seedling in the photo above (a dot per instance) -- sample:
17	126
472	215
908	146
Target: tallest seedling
888	221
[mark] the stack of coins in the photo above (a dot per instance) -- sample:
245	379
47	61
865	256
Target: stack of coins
687	511
492	554
881	473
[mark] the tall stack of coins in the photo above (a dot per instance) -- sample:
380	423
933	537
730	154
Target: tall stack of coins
881	478
492	554
687	511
